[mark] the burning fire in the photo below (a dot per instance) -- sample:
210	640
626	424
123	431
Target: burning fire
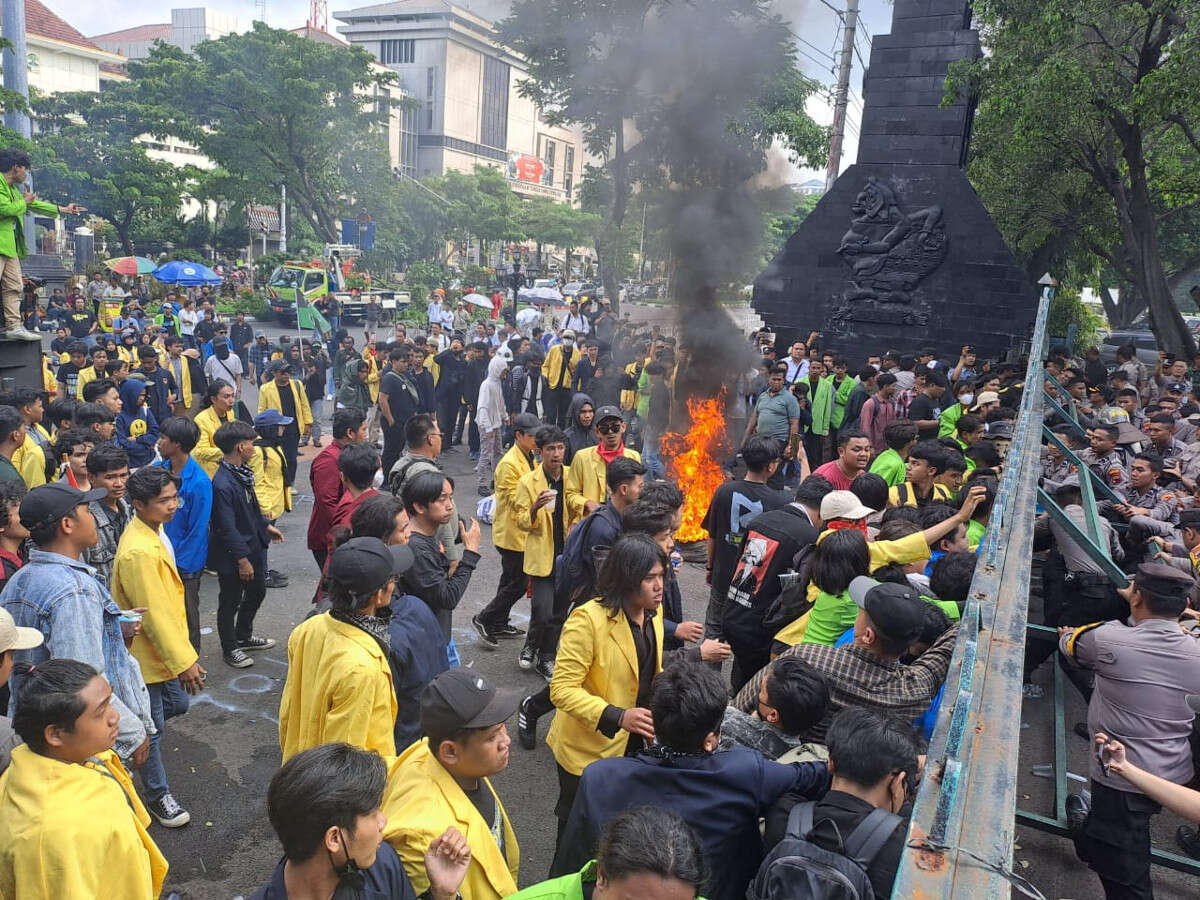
691	463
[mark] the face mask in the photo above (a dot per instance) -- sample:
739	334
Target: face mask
568	341
966	399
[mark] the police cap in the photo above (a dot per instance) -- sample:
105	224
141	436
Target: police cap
1190	518
1162	581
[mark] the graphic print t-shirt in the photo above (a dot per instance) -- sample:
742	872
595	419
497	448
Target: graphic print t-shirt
732	507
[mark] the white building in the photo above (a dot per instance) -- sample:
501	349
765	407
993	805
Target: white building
472	114
187	28
60	58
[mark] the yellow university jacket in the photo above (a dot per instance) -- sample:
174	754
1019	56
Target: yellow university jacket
184	390
904	495
552	368
539	542
206	453
339	688
144	575
86	376
70	830
588	480
268	398
596	666
373	375
49	382
29	460
421	801
506	535
274	496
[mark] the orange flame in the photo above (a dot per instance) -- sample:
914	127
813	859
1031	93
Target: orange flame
690	461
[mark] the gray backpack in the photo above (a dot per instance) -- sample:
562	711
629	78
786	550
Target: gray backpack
800	870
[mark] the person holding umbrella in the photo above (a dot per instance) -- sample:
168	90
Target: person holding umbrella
14	203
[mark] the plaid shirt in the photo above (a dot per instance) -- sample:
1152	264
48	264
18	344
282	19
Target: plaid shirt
856	677
902	401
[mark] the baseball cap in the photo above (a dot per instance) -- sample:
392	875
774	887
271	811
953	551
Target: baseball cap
462	698
526	423
843	505
897	610
568	333
259	334
986	397
1176	387
14	637
281	365
366	563
607	412
269	417
50	502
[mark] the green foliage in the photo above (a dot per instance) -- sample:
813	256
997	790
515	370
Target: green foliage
1067	309
277	109
252	304
420	278
265	265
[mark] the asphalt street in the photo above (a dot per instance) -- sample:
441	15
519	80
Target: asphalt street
220	756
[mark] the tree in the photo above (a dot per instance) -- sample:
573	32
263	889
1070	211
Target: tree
547	222
91	142
1090	112
277	109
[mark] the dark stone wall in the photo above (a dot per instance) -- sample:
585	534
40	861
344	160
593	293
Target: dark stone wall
901	254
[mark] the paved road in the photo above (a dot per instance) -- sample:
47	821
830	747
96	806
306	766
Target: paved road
221	755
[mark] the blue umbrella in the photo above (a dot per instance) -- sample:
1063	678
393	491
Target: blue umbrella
188	274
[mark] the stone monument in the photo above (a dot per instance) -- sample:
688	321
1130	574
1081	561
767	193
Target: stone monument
900	253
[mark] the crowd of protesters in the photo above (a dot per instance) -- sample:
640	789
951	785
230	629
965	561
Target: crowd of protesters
840	554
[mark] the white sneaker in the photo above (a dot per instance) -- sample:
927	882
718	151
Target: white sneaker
21	333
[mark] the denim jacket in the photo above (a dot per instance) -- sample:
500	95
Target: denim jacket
64	600
101	555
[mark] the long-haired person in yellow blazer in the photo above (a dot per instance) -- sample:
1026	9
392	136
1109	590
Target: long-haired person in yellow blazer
609	653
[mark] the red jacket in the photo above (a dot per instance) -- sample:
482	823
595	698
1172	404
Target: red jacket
327	491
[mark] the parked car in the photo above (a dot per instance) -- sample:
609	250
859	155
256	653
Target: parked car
1138	334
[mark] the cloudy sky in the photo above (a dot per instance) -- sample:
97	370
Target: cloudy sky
813	22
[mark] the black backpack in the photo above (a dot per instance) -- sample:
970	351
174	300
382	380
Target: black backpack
800	870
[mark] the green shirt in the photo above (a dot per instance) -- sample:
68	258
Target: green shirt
975	533
890	467
12	218
568	887
829	618
949	420
8	472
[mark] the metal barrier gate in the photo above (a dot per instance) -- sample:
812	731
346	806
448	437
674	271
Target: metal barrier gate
960	841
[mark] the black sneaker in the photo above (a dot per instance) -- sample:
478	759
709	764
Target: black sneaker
168	812
526	725
485	635
545	668
237	658
527	659
257	643
276	579
484	491
508	631
1186	836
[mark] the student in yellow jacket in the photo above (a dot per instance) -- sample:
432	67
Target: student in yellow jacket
587	486
144	578
467	742
71	824
269	465
543	516
221	398
30	459
176	361
507	536
559	371
339	681
602	674
268	398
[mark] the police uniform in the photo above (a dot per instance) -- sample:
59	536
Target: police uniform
1163	505
1110	467
1055	473
1143	675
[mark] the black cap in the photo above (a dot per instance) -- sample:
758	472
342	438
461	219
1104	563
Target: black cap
1190	518
897	610
1162	581
607	412
50	502
462	698
526	423
1176	387
365	564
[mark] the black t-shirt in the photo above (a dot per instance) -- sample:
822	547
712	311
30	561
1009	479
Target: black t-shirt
80	323
287	405
924	409
68	375
733	505
483	800
401	401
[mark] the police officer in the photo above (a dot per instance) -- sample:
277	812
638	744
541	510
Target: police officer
1148	508
1143	676
1103	457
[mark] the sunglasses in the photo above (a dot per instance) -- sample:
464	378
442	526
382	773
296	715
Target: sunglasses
609	427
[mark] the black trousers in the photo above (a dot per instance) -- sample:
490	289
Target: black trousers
511	588
237	604
568	787
747	660
460	422
290	444
557	405
447	414
1115	842
393	447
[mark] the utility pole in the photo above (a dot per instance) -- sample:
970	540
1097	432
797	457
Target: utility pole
841	99
283	218
16	78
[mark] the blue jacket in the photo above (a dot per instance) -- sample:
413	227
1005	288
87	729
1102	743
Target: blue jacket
417	654
137	429
721	795
64	600
188	531
385	880
238	528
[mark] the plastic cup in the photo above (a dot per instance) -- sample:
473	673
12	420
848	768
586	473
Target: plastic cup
553	500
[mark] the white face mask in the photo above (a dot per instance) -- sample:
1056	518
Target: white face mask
966	399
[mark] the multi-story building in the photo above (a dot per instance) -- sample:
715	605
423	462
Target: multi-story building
187	28
472	112
60	58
